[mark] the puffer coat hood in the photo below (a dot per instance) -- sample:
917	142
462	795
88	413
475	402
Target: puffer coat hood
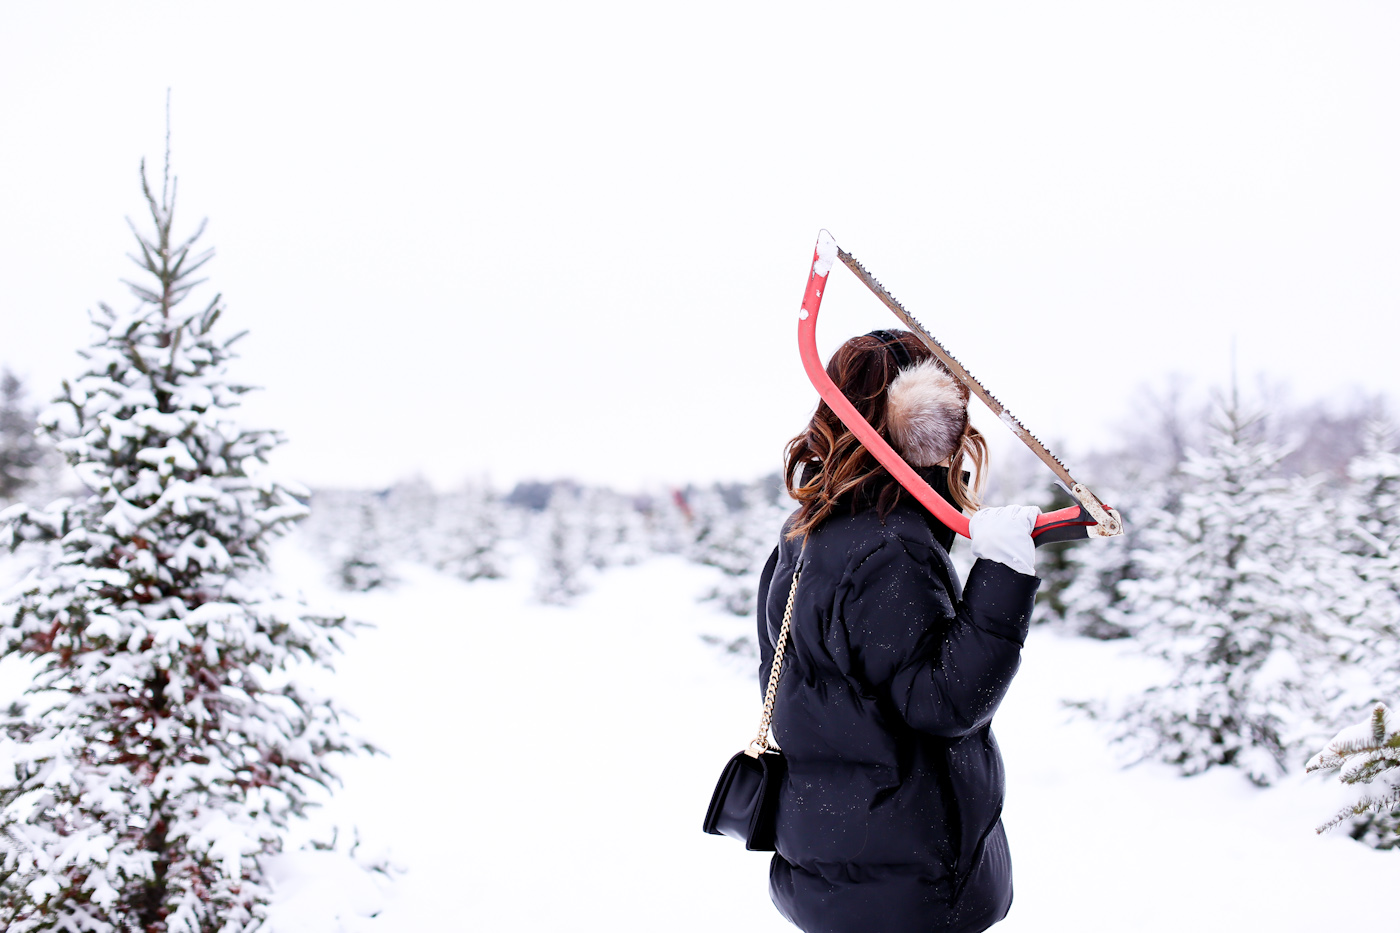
889	819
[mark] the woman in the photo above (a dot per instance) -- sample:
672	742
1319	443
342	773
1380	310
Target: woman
889	819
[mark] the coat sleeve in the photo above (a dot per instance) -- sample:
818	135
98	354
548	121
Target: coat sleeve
945	666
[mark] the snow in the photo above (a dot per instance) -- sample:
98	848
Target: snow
324	892
1011	423
548	768
826	255
1094	843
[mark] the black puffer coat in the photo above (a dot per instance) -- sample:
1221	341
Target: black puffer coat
889	820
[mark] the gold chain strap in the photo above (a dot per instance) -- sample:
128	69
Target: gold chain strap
760	744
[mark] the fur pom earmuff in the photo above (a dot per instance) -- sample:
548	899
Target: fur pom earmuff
927	414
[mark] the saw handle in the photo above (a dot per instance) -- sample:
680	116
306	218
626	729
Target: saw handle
1061	525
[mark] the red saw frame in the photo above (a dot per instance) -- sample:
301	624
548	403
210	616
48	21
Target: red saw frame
1064	524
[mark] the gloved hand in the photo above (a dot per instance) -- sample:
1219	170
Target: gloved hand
1004	535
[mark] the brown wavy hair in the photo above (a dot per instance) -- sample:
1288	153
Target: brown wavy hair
827	468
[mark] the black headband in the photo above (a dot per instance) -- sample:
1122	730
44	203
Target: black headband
891	339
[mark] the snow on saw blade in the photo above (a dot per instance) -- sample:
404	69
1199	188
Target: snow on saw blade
1090	518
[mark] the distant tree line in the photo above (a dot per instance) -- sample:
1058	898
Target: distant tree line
562	532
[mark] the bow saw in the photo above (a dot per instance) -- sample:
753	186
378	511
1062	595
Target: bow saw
1090	518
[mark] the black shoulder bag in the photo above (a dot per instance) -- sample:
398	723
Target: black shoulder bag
745	802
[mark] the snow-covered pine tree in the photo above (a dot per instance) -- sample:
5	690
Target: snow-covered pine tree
20	454
1370	523
615	532
599	514
1055	563
167	743
410	510
466	534
667	521
1368	651
630	532
359	561
580	531
1145	485
735	527
562	547
1238	592
1093	601
346	529
1367	753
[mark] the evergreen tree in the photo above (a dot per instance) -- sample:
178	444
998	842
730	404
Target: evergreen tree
360	563
1369	649
1239	592
600	513
1371	520
1093	601
410	510
1367	753
168	743
1368	533
735	528
631	532
466	535
583	531
345	528
1055	563
20	454
562	547
1145	484
668	522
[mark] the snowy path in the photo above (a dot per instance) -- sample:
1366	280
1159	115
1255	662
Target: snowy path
549	768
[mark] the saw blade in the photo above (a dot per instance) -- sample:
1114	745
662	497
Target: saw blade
958	370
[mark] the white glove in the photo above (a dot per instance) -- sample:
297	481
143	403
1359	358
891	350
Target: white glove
1004	535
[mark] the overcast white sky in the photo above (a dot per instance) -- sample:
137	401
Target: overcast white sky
541	240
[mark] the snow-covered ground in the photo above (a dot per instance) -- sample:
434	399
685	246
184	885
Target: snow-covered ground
547	770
